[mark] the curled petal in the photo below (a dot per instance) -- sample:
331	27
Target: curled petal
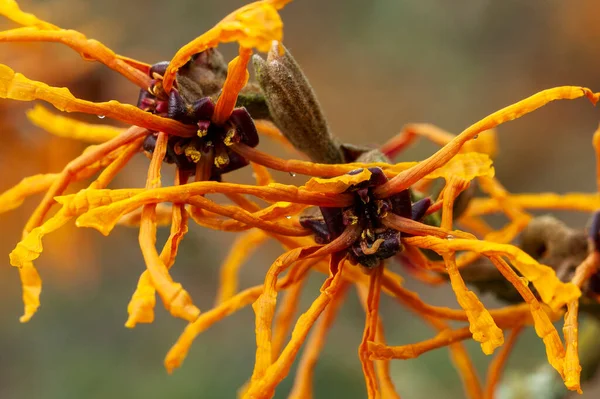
406	225
255	25
105	218
303	382
244	298
32	288
585	202
15	86
14	197
30	247
314	169
176	300
89	49
481	323
264	307
552	291
411	351
240	251
263	386
486	142
338	184
142	303
237	77
409	177
370	332
541	321
466	166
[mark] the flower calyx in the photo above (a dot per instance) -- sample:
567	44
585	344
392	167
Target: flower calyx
376	242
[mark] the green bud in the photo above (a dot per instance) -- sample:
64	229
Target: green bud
294	107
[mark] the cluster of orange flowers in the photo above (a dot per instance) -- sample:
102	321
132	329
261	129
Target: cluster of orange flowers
460	160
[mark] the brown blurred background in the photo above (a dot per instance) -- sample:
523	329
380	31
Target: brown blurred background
375	66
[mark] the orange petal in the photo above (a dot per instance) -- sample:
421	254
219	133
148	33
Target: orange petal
32	288
481	323
10	9
303	381
466	166
263	386
62	126
240	251
14	197
237	77
89	49
254	25
15	86
338	184
544	328
409	177
572	365
370	332
585	202
497	365
553	292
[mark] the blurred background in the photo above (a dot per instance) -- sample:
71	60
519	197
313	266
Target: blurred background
375	66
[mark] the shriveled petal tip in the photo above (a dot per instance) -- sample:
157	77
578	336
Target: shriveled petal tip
253	26
141	307
31	283
467	166
28	249
339	184
175	358
181	305
481	323
14	197
552	291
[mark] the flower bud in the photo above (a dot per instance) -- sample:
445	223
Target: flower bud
294	107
